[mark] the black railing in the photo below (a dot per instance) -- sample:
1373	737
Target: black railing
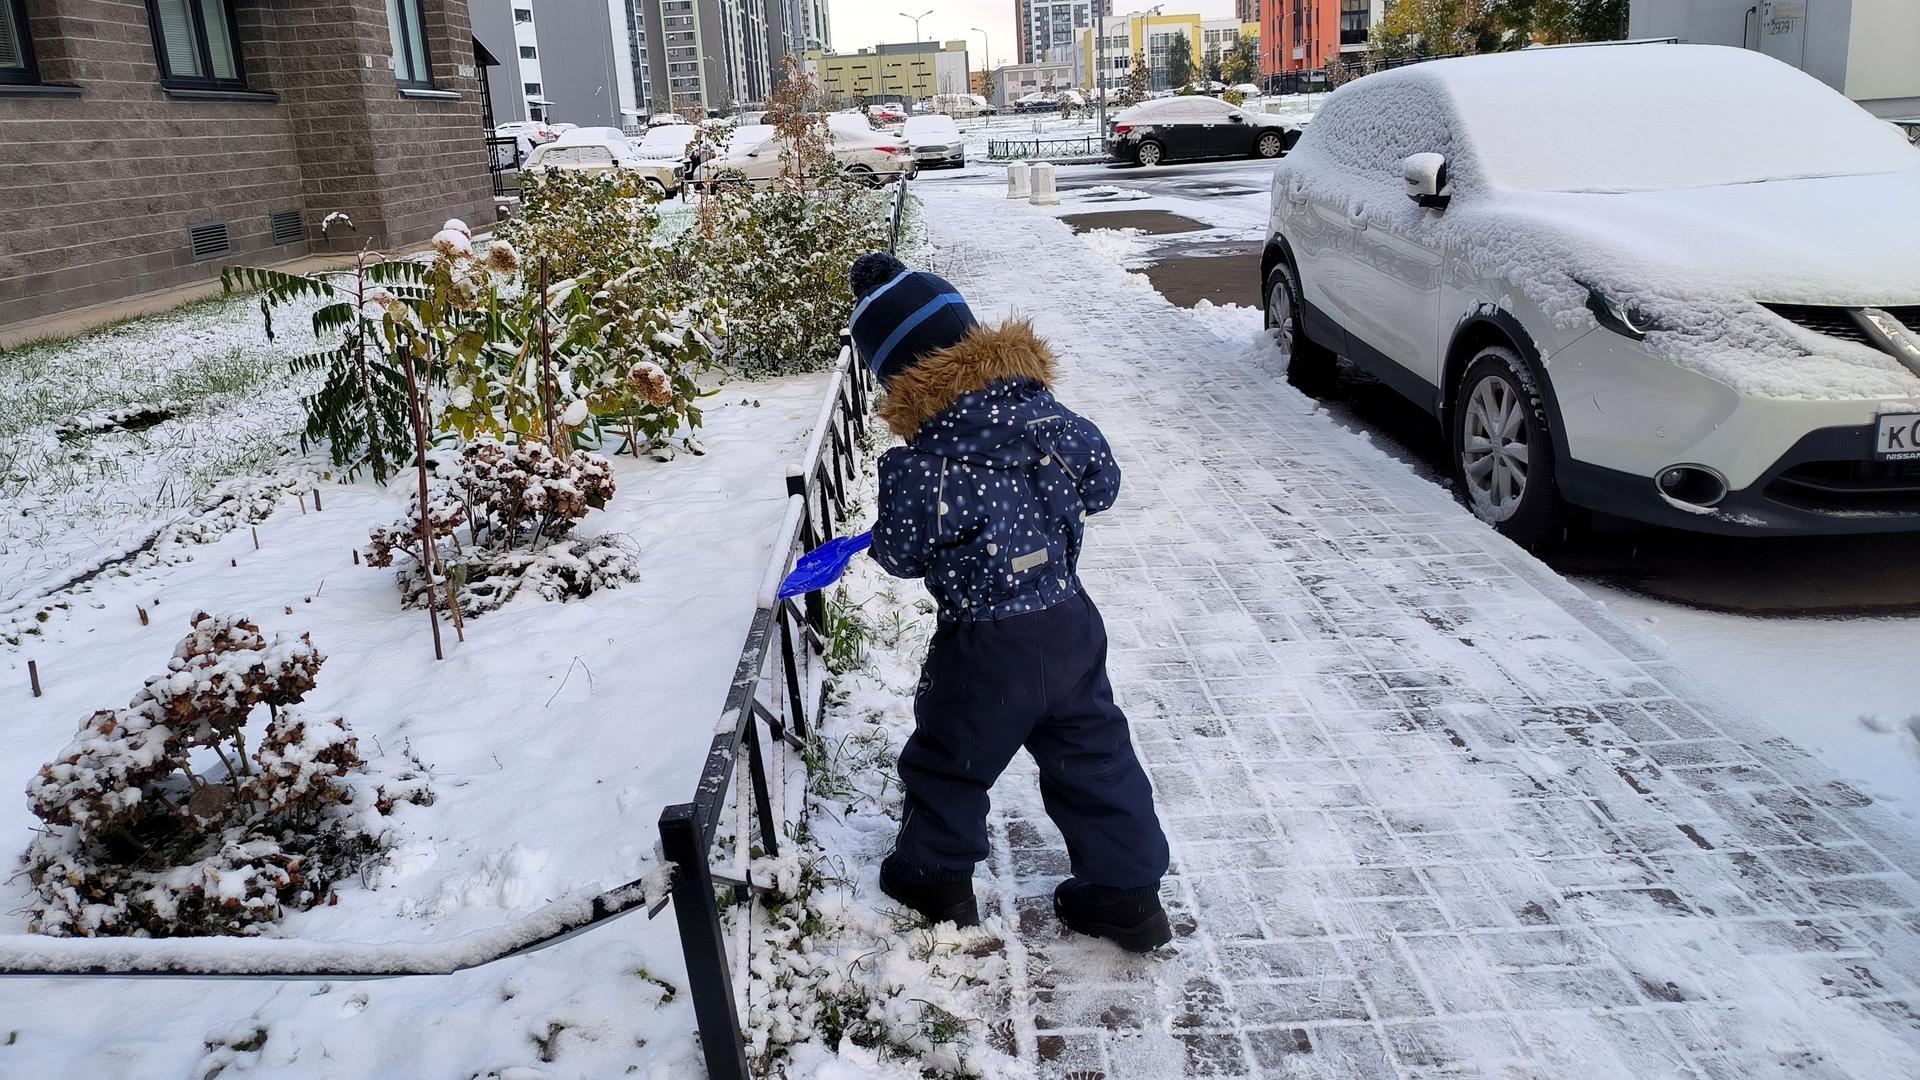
503	162
1039	149
780	683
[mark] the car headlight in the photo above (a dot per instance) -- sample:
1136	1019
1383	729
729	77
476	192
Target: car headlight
1627	320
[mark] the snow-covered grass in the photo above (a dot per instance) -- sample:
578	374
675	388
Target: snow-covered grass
67	503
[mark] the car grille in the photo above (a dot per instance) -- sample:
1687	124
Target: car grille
929	151
1858	487
1838	322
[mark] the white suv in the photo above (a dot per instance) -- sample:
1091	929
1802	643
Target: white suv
1676	283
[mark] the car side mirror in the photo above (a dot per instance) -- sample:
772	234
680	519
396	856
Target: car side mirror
1236	118
1426	177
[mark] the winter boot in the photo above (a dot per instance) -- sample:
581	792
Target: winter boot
1131	918
939	897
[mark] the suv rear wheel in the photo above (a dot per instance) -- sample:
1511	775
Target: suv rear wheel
1310	368
1503	449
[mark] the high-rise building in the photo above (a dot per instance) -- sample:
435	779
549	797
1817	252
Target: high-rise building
720	54
1247	11
817	22
1049	28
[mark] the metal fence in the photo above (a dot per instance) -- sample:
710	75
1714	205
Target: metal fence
1039	149
779	685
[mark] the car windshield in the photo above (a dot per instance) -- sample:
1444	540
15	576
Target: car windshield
1656	118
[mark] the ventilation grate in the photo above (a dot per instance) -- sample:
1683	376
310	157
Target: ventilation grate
288	226
209	241
1836	322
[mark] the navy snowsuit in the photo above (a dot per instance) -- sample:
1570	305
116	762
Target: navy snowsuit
987	502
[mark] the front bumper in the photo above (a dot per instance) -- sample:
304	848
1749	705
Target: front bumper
1794	467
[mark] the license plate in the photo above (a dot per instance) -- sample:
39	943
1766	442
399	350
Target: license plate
1898	438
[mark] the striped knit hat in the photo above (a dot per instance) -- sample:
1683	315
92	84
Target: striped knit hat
903	314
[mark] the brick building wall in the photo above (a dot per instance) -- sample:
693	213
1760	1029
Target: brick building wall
100	186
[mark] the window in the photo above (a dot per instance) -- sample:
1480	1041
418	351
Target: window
1356	17
410	66
523	15
528	52
532	88
196	43
16	49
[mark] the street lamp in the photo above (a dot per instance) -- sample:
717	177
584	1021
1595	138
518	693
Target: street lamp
916	21
986	58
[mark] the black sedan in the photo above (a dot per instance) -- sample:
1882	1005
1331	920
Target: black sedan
1191	128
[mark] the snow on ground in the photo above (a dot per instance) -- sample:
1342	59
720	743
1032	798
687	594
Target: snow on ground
1434	811
553	734
1847	689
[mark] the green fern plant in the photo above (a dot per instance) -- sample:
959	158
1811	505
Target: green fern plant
360	407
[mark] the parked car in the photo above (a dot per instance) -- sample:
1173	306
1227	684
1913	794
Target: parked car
757	153
600	150
1651	305
1190	128
660	119
1247	89
667	141
888	112
936	141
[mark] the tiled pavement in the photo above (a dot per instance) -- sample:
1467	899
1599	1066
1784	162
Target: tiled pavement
1434	813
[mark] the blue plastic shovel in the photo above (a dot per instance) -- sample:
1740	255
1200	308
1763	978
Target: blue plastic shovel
823	566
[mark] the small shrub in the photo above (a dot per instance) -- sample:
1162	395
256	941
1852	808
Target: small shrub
513	502
146	835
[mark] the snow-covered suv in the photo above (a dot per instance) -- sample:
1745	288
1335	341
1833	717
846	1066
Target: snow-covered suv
1676	283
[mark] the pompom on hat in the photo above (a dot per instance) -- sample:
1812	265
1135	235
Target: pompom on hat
901	314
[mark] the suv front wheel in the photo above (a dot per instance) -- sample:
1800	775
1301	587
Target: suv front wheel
1503	449
1310	368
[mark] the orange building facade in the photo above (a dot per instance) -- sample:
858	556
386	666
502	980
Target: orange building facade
1297	35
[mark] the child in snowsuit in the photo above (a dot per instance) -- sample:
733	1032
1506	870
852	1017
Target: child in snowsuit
986	502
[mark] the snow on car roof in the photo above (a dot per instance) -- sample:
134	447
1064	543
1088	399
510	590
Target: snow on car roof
1651	117
669	140
1191	107
931	124
748	137
590	136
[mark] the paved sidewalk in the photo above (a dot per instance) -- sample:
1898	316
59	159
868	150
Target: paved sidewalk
1434	812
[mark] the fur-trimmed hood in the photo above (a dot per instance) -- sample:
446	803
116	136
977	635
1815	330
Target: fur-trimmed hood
1010	352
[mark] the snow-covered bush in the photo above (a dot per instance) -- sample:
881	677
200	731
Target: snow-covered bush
160	823
495	524
586	224
781	259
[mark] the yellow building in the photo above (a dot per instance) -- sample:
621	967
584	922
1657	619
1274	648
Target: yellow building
904	73
1152	36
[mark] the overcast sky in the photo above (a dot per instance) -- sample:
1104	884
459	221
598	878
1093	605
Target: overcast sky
862	24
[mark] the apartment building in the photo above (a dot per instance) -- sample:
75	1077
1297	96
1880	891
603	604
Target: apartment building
1298	35
721	54
145	144
1048	29
906	72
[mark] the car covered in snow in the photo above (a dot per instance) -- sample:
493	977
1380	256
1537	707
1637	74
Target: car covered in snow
1192	127
1616	286
606	150
757	154
936	141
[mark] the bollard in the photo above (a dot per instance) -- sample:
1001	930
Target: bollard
1044	193
1017	180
